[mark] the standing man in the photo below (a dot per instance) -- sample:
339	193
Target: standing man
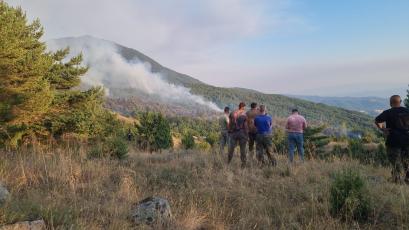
397	137
238	133
251	114
224	129
264	125
295	127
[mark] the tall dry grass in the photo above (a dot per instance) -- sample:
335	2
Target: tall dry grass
70	191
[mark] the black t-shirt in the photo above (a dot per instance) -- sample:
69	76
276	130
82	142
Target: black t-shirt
399	136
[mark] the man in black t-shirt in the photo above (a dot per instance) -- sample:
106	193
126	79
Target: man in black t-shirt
397	137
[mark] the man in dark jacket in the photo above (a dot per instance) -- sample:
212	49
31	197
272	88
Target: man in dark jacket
238	133
397	137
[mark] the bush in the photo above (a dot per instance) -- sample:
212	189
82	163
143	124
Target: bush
349	197
188	141
117	148
96	151
203	146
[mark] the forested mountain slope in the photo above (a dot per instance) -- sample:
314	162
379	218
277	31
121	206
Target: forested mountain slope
278	105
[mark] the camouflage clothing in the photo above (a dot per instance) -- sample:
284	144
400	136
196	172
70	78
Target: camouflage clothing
265	144
239	137
251	114
399	158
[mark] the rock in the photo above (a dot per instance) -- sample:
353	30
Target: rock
4	194
26	225
152	210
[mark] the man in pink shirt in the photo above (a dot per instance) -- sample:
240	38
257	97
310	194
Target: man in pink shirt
295	128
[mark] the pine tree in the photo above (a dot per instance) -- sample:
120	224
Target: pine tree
315	141
25	93
36	96
154	132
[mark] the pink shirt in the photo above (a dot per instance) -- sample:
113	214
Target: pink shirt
296	123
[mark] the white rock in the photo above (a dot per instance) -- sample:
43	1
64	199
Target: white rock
152	210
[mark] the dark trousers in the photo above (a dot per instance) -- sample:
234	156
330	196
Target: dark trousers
399	159
265	145
224	140
252	141
238	137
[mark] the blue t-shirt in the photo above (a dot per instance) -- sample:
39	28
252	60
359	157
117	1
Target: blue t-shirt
263	124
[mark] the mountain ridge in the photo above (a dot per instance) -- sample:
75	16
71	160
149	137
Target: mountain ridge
278	105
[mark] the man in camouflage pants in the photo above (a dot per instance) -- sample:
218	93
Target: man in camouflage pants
264	139
224	129
238	133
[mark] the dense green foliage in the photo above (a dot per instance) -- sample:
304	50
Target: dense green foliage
188	141
37	95
349	196
154	132
407	99
314	141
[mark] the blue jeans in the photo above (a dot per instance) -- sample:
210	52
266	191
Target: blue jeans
296	140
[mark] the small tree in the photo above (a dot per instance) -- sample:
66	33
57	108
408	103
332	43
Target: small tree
315	141
154	132
188	141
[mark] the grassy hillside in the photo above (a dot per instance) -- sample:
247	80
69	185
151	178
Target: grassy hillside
70	191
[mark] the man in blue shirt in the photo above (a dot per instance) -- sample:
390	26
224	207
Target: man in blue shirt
264	139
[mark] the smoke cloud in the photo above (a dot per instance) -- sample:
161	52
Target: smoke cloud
107	68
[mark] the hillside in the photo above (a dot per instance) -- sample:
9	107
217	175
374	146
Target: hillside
369	105
278	105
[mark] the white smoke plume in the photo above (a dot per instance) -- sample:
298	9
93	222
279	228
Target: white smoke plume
109	69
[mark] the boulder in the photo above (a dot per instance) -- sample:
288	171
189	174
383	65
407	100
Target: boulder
4	194
152	210
26	225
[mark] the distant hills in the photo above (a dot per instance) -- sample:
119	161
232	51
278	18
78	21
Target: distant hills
125	100
369	105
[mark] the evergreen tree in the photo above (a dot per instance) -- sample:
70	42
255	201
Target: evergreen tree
315	141
154	132
36	87
25	93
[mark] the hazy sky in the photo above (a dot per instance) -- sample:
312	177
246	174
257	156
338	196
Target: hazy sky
316	47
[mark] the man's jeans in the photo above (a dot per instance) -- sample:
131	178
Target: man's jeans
296	140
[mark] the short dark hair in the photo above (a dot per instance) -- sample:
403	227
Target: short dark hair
395	99
242	104
262	108
226	109
253	105
295	110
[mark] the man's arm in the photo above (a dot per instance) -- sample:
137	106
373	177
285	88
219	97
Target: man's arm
379	121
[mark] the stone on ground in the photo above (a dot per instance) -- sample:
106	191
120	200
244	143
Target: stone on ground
26	225
4	193
152	210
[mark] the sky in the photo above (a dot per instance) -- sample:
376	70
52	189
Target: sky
302	47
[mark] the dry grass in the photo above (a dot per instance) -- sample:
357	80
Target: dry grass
70	191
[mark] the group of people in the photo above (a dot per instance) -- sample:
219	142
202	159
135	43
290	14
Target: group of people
254	127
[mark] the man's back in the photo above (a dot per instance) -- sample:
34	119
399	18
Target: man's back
263	123
237	120
251	115
396	120
296	123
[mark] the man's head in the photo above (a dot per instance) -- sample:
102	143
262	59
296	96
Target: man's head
226	110
242	105
253	105
294	111
395	101
263	109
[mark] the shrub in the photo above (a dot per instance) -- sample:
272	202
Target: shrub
118	148
96	151
203	146
188	141
349	197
